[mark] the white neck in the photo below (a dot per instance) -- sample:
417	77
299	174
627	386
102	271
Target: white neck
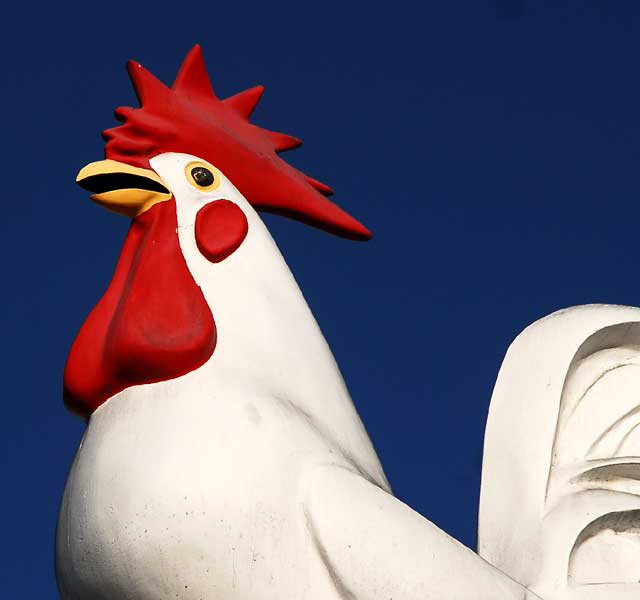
268	341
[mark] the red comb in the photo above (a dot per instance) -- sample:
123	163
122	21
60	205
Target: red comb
189	118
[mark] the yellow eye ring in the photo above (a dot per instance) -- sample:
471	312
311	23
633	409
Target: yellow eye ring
203	176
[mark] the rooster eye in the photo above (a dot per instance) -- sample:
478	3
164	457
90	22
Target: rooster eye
202	176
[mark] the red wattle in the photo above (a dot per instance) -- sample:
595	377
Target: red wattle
152	324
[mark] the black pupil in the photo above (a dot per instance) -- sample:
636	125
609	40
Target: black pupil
202	176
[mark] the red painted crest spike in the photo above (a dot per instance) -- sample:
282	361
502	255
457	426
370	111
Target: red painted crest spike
192	79
244	103
282	142
318	185
146	86
188	118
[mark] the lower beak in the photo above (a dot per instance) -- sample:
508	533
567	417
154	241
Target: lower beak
124	189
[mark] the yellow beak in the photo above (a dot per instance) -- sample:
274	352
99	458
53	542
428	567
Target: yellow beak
124	189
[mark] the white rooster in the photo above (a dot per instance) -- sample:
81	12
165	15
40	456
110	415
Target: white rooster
223	458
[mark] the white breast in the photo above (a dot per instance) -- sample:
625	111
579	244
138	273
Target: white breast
193	498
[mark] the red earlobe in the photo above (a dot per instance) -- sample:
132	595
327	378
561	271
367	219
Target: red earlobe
220	229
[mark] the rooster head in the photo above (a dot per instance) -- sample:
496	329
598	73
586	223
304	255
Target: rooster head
185	152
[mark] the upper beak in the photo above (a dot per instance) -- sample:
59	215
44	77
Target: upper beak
122	188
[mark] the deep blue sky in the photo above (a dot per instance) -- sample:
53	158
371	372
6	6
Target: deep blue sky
493	147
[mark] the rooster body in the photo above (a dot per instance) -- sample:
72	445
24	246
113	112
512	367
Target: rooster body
223	458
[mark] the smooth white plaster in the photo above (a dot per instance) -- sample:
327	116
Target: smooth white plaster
560	499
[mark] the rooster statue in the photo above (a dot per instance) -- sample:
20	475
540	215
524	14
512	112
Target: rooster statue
223	458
